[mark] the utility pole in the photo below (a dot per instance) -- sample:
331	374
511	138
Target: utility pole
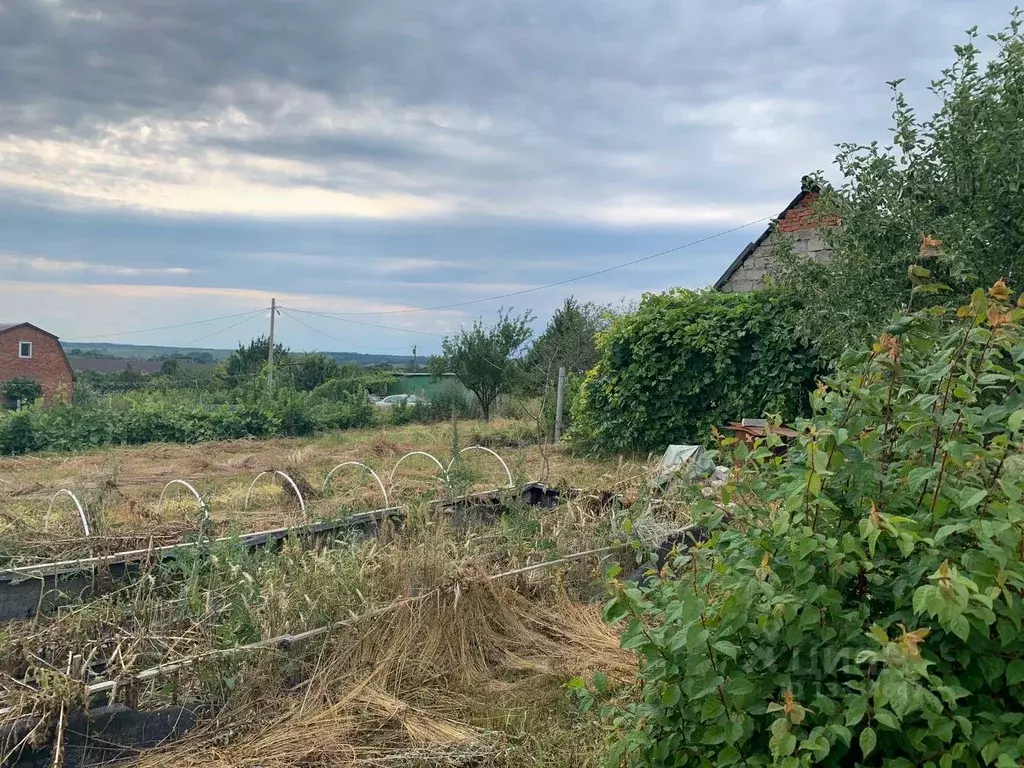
414	358
559	402
270	348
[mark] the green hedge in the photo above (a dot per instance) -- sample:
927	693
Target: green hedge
687	361
138	420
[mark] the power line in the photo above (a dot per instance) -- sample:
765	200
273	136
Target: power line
164	327
335	338
329	316
604	271
249	316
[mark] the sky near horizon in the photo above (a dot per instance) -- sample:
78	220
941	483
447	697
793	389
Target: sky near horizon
168	161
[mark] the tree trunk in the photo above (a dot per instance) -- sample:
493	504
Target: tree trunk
487	411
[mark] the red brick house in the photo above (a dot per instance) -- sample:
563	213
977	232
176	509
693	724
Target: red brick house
798	224
30	352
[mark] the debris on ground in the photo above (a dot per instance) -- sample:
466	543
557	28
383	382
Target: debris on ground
682	464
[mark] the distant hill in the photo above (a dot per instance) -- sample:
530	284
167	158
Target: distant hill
135	351
141	352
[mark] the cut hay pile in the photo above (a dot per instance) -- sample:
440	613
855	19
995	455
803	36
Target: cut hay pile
428	684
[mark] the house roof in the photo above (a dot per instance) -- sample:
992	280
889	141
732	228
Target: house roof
806	189
4	327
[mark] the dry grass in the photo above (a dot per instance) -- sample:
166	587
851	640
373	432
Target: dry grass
120	487
435	683
472	674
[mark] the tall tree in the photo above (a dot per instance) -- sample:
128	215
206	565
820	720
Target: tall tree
307	372
485	357
246	362
569	340
949	187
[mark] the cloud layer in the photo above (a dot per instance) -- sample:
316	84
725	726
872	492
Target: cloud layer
381	155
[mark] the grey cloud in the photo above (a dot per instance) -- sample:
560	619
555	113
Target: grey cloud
599	72
533	110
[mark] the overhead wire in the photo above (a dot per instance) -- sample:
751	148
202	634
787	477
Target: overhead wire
165	327
565	281
249	316
345	316
336	338
329	316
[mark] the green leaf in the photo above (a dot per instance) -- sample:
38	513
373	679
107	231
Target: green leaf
921	597
729	649
971	497
960	627
782	744
888	719
729	756
1015	671
842	732
1015	421
600	681
616	610
714	735
670	695
856	706
867	741
711	708
739	686
990	751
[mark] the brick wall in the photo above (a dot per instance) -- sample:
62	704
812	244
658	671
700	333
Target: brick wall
801	227
802	216
47	365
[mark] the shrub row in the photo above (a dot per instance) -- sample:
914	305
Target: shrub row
134	420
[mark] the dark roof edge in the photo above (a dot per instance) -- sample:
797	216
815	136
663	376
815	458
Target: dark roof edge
751	247
737	263
12	326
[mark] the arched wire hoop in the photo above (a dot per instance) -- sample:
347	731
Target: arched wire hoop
383	490
298	494
81	511
202	504
391	477
504	466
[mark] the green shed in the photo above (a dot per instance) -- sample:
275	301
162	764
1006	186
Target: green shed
424	385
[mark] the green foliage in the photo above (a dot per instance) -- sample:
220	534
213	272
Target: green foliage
862	603
954	177
22	389
569	340
351	381
445	404
246	362
307	372
138	419
686	362
484	358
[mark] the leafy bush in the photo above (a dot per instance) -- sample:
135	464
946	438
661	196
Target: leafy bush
445	404
863	605
954	175
17	434
687	361
138	419
21	389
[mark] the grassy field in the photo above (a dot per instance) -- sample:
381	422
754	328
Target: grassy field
443	651
121	487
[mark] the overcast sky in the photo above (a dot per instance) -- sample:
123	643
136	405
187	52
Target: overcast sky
165	161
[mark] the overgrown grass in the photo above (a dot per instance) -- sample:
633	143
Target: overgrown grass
469	671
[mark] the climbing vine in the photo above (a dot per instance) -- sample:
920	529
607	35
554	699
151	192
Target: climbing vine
688	361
